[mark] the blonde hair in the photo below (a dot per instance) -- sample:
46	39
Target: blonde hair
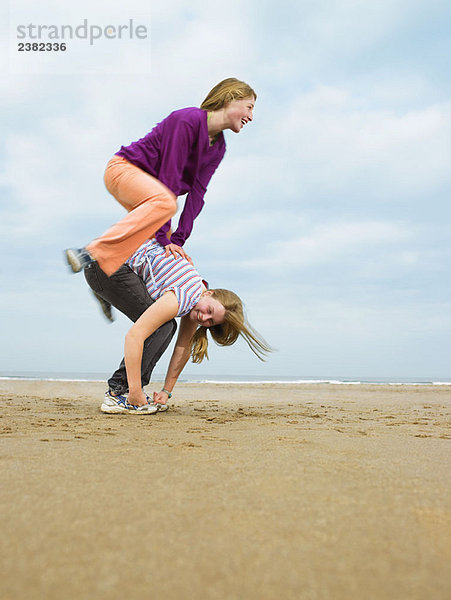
227	333
225	91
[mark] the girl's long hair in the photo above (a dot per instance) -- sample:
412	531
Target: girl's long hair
225	91
235	324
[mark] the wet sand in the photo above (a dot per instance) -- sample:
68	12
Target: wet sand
305	492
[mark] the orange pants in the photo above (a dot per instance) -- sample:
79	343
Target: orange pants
149	203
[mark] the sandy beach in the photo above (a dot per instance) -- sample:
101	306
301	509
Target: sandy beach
246	492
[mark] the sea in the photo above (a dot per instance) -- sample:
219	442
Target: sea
234	379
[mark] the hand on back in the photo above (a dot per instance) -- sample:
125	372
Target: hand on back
177	250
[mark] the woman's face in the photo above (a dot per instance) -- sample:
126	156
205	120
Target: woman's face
208	311
239	112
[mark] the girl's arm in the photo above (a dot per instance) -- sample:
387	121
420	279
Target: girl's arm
179	358
194	203
178	137
162	311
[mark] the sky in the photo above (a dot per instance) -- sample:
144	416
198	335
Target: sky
329	215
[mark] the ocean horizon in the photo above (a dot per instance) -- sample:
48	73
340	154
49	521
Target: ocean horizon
233	379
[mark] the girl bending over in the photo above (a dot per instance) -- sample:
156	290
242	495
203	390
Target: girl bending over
152	289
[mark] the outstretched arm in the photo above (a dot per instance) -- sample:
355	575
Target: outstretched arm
162	311
179	358
194	203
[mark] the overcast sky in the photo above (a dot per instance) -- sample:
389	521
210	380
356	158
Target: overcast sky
329	215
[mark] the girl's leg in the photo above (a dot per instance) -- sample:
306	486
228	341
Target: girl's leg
128	293
150	204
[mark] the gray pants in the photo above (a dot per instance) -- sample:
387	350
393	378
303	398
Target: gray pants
127	292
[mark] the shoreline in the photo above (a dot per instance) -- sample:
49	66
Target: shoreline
308	381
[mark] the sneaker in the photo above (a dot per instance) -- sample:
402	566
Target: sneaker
162	407
119	404
106	307
78	258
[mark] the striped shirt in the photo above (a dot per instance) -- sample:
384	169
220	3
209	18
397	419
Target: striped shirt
161	274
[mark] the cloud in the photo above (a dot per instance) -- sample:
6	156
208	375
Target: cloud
331	243
333	137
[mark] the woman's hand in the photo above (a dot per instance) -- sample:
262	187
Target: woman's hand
160	397
137	398
174	250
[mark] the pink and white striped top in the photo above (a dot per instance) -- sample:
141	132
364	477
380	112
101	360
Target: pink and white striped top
161	274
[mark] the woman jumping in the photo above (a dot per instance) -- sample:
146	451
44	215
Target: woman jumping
179	156
152	289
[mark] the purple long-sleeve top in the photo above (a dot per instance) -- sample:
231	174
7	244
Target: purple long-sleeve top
177	152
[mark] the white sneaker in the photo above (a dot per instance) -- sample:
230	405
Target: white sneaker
78	258
119	404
